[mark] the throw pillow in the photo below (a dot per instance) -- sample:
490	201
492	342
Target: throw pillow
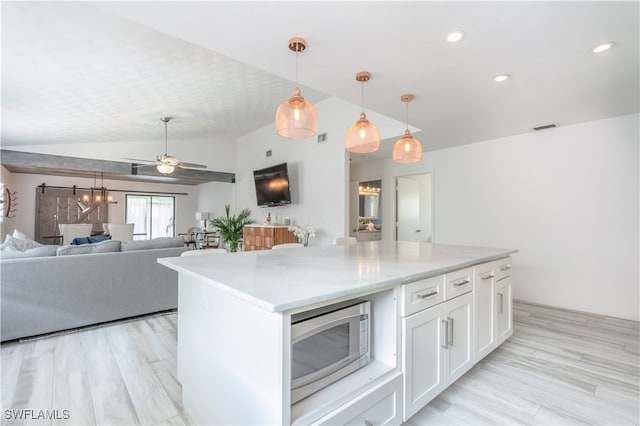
77	241
42	251
11	244
28	243
98	238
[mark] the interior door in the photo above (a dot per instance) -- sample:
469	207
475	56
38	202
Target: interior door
408	201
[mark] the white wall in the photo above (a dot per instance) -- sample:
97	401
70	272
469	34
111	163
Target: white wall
213	196
567	198
317	172
25	185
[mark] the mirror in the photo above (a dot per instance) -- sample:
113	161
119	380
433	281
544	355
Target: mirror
369	199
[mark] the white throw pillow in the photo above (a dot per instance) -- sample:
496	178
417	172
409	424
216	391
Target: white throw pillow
11	244
28	243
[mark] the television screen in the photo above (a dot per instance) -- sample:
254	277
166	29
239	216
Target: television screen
272	186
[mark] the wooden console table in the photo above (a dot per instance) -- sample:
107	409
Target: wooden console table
263	237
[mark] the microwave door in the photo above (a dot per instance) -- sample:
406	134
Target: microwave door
322	351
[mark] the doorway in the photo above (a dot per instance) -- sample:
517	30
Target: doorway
414	208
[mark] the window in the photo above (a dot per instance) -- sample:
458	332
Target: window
153	216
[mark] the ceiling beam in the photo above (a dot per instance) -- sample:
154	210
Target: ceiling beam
59	165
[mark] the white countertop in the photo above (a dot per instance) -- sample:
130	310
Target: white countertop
282	280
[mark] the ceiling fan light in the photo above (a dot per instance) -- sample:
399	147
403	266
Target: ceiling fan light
296	118
363	136
165	169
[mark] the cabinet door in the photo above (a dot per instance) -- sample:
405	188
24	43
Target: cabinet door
422	340
504	310
458	334
484	309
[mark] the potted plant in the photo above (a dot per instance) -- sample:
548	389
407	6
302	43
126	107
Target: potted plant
230	227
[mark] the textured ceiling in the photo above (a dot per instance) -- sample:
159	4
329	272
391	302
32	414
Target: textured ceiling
106	71
72	74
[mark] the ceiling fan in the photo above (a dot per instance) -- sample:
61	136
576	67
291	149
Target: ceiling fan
165	163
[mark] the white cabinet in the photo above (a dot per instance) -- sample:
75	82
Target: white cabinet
379	406
493	306
437	346
459	346
484	301
504	310
422	359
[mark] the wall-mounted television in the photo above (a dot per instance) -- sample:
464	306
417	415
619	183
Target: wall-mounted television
272	186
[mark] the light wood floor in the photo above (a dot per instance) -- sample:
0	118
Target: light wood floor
559	367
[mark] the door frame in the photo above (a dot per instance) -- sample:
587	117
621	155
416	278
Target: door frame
433	209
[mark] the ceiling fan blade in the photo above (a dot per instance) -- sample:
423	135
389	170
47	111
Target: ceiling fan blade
137	166
192	165
141	161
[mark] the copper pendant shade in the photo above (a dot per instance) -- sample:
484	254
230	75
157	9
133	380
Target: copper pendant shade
363	136
407	149
296	118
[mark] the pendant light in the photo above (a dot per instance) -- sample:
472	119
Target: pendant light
363	136
407	149
296	118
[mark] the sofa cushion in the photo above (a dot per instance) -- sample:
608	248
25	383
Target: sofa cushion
156	243
27	243
106	246
40	251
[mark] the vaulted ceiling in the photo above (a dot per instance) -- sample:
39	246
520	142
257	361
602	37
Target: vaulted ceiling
77	72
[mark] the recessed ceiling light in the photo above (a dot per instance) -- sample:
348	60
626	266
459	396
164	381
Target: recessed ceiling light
501	77
602	47
455	36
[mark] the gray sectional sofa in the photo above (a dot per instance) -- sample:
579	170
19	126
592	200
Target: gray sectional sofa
68	290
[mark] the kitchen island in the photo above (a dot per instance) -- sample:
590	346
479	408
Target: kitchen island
234	324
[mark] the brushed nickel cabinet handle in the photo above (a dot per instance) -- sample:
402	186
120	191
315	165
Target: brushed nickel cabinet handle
445	323
505	267
368	423
461	282
487	277
424	296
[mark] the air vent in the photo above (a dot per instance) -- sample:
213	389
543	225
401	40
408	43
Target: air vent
545	127
322	137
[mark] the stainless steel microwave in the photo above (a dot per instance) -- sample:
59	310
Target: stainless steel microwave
328	343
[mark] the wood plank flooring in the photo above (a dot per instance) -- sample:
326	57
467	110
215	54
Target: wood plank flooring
559	367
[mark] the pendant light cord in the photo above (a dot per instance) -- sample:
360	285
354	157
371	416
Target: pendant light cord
297	53
362	99
407	115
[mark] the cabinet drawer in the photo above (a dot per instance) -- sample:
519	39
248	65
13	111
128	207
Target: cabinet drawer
503	268
457	283
379	406
421	294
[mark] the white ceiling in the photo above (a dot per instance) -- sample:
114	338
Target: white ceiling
75	72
